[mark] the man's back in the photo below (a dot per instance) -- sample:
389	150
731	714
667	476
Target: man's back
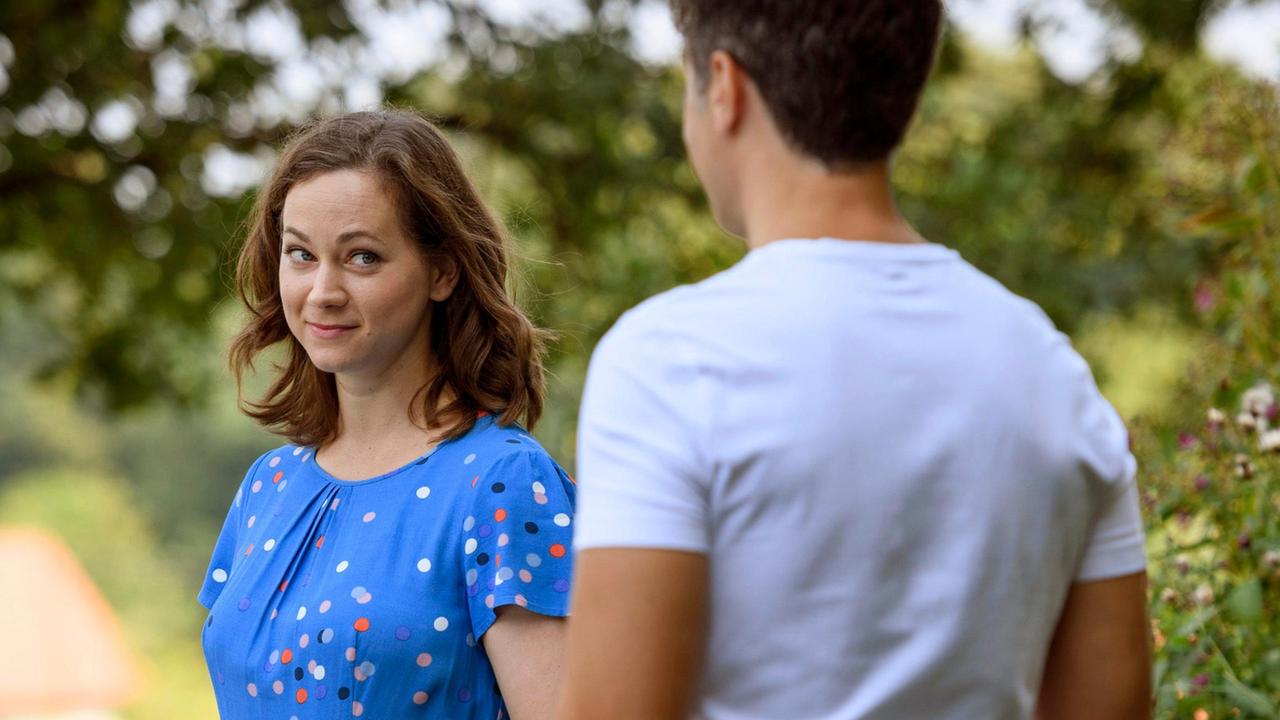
895	467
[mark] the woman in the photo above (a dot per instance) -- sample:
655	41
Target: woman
408	553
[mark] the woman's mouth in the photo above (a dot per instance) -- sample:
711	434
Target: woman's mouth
327	332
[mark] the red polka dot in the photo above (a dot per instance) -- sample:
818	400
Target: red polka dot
500	515
362	624
286	657
557	550
302	696
283	585
279	474
481	414
475	480
248	550
319	542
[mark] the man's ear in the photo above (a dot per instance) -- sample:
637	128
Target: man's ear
726	92
444	277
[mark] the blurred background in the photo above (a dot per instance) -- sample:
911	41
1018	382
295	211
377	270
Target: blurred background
1116	161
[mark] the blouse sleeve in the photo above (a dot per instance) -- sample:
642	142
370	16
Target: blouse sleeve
224	550
517	540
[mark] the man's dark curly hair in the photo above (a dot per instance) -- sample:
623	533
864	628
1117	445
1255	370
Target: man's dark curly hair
840	78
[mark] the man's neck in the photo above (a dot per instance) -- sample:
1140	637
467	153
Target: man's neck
806	201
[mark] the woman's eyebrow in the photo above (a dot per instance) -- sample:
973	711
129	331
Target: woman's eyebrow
344	237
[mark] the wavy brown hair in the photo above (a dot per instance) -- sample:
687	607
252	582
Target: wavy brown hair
487	354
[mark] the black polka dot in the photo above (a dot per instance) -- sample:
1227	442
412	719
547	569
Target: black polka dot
344	693
498	487
531	528
513	442
482	559
297	673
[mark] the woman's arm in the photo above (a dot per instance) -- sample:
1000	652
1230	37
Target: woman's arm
527	652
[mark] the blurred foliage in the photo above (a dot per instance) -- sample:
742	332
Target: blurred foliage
1212	474
1137	207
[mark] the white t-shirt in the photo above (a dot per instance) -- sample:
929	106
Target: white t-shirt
896	467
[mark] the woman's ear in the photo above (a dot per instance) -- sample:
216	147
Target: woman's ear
444	277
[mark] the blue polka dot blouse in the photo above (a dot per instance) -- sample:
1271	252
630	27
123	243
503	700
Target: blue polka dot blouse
334	599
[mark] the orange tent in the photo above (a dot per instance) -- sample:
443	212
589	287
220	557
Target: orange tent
64	650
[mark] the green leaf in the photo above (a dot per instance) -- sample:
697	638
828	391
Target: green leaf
1245	602
1249	699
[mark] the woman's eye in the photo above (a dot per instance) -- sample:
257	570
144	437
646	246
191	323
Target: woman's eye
364	258
299	255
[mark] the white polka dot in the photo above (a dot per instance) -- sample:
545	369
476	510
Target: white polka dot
471	640
342	566
561	519
532	560
277	687
503	540
441	624
488	601
357	591
367	668
539	488
369	516
424	565
470	459
334	505
469	523
423	492
324	606
306	457
302	612
220	575
257	485
252	519
297	451
304	641
318	673
357	709
274	657
280	487
470	546
365	598
505	574
472	576
269	545
274	461
253	690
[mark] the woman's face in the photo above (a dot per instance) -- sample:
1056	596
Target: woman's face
356	290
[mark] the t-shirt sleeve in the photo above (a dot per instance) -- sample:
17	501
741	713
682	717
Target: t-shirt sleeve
224	550
641	473
517	547
1115	544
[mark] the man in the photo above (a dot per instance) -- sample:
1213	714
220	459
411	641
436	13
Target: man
852	476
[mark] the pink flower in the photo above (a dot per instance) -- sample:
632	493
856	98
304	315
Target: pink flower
1187	441
1243	541
1202	482
1200	680
1205	297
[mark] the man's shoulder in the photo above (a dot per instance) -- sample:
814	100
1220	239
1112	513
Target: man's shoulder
686	310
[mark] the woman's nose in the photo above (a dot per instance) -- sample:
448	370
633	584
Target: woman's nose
327	289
